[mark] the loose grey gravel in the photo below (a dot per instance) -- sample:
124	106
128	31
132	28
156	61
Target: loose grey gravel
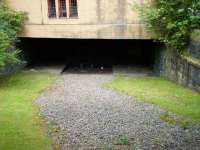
92	117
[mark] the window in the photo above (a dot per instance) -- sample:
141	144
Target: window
73	8
51	9
64	8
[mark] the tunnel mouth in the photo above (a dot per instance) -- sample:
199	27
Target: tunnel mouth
88	55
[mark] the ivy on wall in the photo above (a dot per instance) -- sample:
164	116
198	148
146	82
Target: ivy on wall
11	23
172	21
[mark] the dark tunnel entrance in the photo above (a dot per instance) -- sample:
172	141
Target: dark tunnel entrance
85	53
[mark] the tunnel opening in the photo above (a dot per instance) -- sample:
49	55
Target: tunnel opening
89	54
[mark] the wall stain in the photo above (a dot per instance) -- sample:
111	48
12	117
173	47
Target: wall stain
121	21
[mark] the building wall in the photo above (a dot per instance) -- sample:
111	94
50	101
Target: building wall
103	19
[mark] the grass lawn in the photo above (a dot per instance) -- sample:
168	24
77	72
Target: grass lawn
21	127
161	92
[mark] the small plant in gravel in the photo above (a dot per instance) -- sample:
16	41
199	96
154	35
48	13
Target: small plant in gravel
122	140
107	148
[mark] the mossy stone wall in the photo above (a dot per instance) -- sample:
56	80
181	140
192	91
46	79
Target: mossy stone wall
175	68
194	46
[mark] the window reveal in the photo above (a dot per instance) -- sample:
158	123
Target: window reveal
51	8
73	8
62	8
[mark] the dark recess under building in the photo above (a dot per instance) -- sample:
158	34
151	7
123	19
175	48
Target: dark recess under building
88	53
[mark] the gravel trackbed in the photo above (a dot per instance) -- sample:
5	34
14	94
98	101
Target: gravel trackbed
92	117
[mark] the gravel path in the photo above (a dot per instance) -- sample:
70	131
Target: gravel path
92	117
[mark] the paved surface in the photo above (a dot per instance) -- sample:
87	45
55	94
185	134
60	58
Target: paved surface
132	71
93	117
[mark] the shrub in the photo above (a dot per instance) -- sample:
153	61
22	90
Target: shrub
172	21
10	26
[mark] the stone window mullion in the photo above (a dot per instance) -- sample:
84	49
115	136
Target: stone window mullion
57	9
68	8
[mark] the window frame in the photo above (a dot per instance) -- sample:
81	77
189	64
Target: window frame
49	10
71	13
68	10
60	13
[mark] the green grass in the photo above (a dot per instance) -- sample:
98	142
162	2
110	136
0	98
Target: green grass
21	126
190	59
161	92
122	140
195	35
107	148
171	119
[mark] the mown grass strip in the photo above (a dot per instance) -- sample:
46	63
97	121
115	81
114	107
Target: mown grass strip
20	123
161	92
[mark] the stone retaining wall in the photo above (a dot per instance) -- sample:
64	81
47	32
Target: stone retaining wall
11	68
173	67
194	48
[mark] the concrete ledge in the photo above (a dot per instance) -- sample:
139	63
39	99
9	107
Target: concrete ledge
101	31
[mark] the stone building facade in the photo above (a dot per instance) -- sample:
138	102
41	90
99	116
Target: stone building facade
88	19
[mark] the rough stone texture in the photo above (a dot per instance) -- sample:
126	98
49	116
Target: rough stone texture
171	66
11	68
194	48
93	117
